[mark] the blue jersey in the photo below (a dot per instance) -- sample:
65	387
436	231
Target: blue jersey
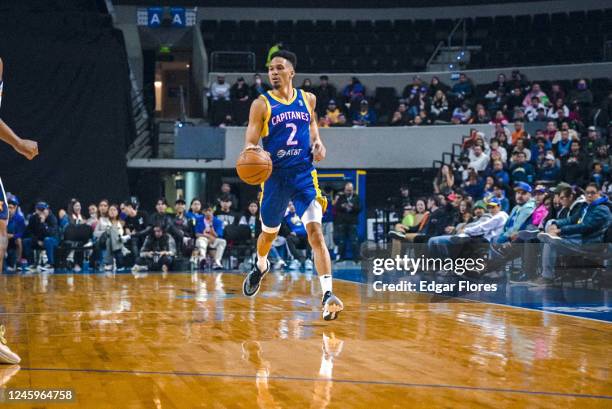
286	130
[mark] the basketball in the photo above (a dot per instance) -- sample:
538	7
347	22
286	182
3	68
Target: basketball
254	166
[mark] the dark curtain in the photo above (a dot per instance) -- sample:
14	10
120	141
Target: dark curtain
66	86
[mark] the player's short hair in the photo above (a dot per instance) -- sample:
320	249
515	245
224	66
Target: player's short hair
287	55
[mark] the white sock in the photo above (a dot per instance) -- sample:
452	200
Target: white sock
262	262
326	283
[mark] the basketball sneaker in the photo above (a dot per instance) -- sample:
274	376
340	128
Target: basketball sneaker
252	282
331	306
6	355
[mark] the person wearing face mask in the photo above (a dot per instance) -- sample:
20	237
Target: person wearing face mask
259	87
582	94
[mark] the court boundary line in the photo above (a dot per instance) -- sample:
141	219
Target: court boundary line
307	379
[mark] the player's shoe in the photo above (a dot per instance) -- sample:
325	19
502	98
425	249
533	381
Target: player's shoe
6	355
252	282
331	306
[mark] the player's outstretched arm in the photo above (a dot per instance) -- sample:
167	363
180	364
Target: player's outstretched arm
318	149
257	115
27	148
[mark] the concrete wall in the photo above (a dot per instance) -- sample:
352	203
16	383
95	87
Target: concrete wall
350	148
128	13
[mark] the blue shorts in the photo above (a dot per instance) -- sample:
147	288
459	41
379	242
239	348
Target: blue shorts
299	185
4	213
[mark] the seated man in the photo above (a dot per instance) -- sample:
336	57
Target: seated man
566	236
157	252
42	233
135	225
441	246
210	234
184	228
508	245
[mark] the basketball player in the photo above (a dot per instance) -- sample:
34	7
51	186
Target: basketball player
29	149
285	119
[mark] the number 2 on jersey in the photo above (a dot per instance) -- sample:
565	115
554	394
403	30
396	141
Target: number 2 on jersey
290	140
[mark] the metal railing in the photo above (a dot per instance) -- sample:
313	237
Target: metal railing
232	61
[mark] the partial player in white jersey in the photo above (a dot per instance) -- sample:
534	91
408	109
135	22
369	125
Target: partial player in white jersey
29	149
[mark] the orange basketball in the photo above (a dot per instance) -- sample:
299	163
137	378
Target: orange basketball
254	166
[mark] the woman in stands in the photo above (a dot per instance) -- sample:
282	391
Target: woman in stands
115	250
413	221
444	180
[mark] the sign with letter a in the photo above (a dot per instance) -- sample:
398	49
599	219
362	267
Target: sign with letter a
154	16
178	16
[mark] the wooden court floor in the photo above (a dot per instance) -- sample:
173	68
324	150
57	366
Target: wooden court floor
193	341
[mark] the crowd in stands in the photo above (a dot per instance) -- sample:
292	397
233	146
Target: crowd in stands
110	237
504	102
517	195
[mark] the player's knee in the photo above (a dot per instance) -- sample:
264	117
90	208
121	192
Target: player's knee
268	237
3	224
315	235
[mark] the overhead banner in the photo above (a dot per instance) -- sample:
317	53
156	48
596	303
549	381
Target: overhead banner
178	16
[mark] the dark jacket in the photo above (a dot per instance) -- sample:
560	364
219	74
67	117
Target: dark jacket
347	210
591	223
439	219
40	230
164	243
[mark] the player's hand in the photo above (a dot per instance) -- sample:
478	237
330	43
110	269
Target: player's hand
27	148
318	151
252	147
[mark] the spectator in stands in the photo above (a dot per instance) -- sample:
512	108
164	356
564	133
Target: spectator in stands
499	173
210	234
92	210
519	132
474	185
515	98
307	86
240	96
365	116
559	104
440	218
259	86
421	119
500	119
157	252
115	239
297	239
562	147
226	192
521	146
549	173
401	116
582	95
570	205
354	92
325	93
604	158
413	221
225	213
161	217
73	215
598	175
42	233
495	147
444	180
566	236
251	218
348	207
521	170
219	90
135	225
478	160
531	112
574	165
499	193
556	93
462	114
565	126
500	84
333	116
482	117
185	228
592	142
16	229
436	85
464	89
535	92
550	131
439	107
